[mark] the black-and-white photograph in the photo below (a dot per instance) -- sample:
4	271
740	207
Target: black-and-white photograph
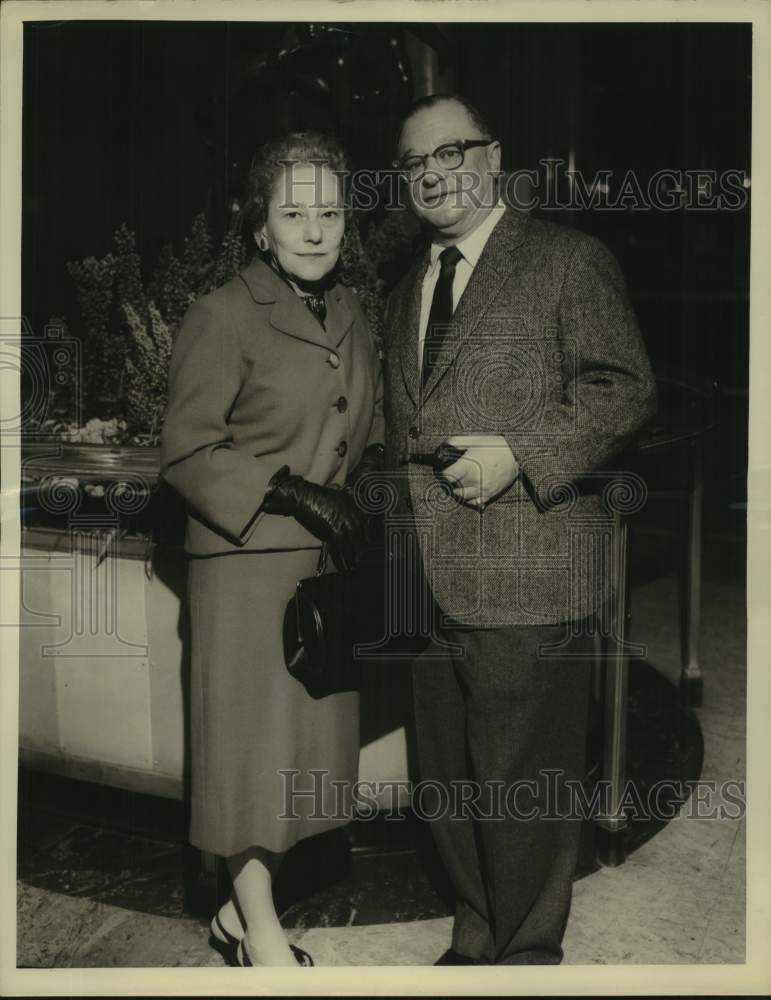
382	440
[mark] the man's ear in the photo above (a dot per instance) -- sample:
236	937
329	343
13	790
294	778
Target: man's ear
494	157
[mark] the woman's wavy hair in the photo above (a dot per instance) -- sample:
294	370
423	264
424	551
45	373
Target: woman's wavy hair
270	160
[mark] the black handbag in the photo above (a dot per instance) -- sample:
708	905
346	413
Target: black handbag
337	622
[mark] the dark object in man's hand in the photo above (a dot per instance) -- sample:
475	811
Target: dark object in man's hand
327	512
439	459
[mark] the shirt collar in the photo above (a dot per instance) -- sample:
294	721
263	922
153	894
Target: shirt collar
471	246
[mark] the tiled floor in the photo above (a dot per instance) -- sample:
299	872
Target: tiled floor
106	894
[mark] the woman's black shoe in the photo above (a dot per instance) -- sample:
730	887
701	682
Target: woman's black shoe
244	959
223	941
303	958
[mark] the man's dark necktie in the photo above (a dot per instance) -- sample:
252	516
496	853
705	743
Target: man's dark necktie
441	310
317	306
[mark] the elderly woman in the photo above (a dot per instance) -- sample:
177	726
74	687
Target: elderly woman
274	398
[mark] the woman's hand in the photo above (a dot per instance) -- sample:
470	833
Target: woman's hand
327	512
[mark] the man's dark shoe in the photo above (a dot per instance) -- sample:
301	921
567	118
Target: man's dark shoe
452	957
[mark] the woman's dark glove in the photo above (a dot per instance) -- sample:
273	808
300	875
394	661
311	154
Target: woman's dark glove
371	461
327	512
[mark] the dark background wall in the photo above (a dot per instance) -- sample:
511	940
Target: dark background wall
151	123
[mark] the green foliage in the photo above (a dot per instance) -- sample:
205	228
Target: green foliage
197	258
129	288
102	356
146	368
126	324
170	287
230	259
360	273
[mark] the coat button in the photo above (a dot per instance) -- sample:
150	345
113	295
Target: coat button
334	359
342	404
413	432
342	448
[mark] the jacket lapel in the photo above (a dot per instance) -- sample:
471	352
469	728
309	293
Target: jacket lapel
289	314
408	327
339	317
494	266
292	316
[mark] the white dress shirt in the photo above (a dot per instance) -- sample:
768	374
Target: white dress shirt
471	247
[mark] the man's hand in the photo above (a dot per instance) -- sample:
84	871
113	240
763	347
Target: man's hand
485	470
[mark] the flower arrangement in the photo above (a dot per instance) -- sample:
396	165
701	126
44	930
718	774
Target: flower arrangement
95	431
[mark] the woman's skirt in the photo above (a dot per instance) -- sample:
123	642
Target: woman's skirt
270	764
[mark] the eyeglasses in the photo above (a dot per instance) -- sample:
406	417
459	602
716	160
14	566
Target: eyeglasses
448	156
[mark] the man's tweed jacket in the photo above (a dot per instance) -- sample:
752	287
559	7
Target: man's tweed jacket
544	349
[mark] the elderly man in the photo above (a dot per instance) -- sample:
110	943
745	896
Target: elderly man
511	340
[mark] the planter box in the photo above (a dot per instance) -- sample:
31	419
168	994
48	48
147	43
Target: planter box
103	637
102	682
